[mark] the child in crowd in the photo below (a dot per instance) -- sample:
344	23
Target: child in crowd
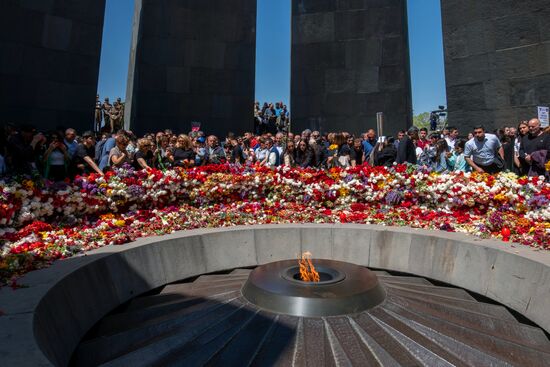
459	162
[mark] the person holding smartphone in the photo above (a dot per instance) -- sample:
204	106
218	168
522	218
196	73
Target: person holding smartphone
56	159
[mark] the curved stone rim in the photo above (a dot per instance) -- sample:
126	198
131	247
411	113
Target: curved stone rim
42	324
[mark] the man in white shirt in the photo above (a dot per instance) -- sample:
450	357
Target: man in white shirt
484	152
452	138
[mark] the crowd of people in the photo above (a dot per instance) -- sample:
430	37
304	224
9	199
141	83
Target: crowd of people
271	118
108	117
61	155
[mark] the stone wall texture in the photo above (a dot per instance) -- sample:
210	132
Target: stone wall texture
350	60
49	61
193	61
497	60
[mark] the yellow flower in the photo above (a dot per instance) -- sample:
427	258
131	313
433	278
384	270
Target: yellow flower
333	147
547	166
344	192
120	223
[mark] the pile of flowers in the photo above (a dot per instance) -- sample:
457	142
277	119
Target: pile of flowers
40	223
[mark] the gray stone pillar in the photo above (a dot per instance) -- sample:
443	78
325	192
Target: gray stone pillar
350	60
49	61
497	60
193	61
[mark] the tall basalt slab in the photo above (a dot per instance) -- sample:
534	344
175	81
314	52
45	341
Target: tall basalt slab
49	61
497	61
350	60
192	61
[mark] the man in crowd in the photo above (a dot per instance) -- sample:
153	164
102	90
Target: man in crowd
98	116
534	150
484	152
215	154
70	142
406	150
452	138
369	141
107	113
83	161
273	158
423	141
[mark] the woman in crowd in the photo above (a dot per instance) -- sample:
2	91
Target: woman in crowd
289	153
339	152
56	159
163	154
442	155
523	129
119	155
385	153
304	154
143	158
184	155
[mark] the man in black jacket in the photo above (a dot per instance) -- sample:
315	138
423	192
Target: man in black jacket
406	151
535	142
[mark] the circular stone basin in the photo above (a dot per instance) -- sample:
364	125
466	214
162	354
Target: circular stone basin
344	289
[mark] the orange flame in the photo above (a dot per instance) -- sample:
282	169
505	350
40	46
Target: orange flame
307	270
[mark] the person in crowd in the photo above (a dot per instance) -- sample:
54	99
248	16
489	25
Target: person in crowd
70	141
400	136
406	150
442	155
280	143
459	161
98	114
20	148
214	152
452	138
386	154
339	152
304	154
534	149
115	116
106	147
522	130
260	153
144	157
273	157
200	150
427	158
484	153
369	141
56	159
83	161
289	153
163	153
106	108
118	156
508	148
422	141
184	155
434	119
357	154
236	152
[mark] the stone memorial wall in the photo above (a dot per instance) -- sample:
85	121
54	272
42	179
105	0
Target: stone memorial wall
350	60
193	61
49	61
497	60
